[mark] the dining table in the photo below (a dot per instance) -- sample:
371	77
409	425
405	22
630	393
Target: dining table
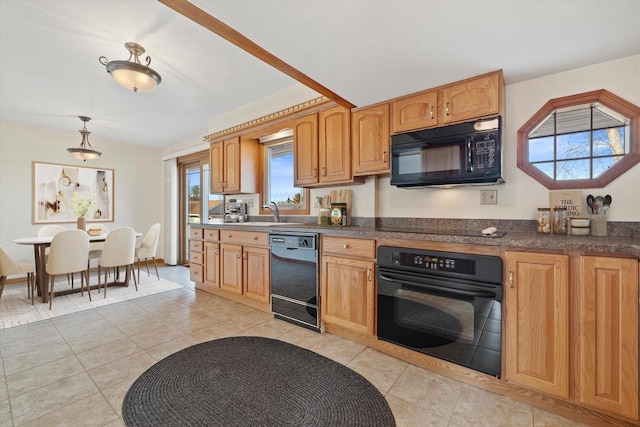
40	245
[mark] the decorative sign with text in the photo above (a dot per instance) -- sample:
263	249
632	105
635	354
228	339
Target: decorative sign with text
572	200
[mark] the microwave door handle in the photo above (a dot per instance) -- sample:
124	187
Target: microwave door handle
469	157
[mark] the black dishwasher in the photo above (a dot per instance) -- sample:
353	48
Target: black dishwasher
294	278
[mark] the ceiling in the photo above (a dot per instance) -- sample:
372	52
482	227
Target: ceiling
365	51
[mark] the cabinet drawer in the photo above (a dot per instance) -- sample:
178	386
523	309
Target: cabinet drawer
195	233
211	235
360	248
196	246
196	258
239	237
196	273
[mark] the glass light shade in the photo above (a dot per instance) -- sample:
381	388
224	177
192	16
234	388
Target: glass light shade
83	154
135	77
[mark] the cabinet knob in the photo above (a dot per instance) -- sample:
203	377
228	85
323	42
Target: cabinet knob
369	274
239	253
345	246
315	172
511	279
431	112
324	171
244	256
255	238
384	157
446	109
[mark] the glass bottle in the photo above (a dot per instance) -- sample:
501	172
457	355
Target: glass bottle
544	220
560	221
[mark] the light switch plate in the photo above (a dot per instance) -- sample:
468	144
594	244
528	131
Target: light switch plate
488	197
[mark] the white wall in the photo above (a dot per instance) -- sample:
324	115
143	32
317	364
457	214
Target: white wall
520	197
138	174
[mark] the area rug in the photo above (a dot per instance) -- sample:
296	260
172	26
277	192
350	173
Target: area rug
252	381
16	308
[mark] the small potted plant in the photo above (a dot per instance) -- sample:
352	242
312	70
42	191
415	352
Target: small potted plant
80	206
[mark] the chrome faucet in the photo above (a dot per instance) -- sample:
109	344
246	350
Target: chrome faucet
274	210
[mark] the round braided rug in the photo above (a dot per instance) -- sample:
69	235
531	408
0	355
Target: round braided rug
252	381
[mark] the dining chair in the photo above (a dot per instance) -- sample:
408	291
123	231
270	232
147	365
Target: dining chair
148	248
119	249
69	253
95	248
50	231
10	267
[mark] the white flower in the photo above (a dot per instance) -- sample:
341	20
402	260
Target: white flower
81	204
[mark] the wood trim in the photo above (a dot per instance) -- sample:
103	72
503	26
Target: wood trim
218	27
605	98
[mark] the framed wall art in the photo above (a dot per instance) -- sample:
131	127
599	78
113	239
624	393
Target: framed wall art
54	186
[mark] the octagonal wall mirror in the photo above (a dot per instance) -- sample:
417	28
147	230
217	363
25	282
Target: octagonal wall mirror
580	141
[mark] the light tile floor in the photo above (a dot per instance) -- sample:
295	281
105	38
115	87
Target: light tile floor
75	370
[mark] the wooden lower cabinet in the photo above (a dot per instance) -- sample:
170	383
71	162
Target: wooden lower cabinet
608	334
256	273
231	268
537	321
211	264
245	270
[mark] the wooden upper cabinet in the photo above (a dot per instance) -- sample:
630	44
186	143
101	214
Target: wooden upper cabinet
305	150
371	140
231	176
415	112
537	321
216	164
234	166
470	99
608	334
334	135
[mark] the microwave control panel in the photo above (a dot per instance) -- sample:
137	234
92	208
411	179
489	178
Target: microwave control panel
485	153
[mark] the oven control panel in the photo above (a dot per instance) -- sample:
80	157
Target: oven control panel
433	262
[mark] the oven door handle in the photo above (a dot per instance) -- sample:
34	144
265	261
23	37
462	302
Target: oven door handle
430	286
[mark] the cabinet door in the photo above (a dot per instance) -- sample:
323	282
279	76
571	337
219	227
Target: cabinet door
256	273
216	162
415	112
537	322
608	334
335	145
348	294
231	268
305	150
470	99
212	264
371	140
231	149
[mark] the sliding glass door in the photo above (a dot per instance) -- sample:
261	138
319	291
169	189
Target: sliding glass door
197	205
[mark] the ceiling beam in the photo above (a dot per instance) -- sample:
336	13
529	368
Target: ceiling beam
218	27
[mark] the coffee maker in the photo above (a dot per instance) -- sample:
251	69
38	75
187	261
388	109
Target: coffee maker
235	211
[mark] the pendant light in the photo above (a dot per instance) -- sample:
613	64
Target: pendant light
131	73
83	153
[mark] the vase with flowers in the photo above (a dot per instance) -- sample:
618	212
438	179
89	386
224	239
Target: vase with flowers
80	206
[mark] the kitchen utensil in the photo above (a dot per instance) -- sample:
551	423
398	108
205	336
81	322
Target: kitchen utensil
596	206
606	204
590	200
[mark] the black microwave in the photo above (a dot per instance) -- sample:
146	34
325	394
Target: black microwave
460	154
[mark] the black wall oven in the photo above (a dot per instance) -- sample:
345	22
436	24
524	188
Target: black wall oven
444	304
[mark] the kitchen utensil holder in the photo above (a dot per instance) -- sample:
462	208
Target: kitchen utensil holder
598	225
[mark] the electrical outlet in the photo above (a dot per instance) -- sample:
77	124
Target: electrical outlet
249	202
488	197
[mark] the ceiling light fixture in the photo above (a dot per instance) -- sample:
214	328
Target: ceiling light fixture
131	73
83	153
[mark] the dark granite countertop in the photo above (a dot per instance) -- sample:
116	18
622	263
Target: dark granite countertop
512	239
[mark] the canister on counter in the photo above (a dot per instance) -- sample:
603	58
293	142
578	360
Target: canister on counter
560	220
544	220
338	214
